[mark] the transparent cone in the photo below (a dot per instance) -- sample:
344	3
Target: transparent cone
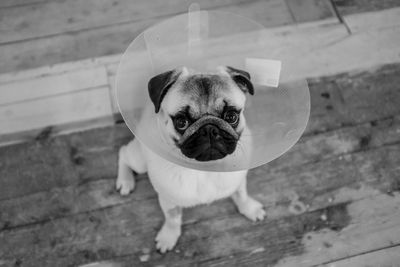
203	40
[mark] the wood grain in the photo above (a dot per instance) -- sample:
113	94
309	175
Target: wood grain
387	257
52	85
376	21
60	17
326	194
329	111
44	112
310	10
113	37
320	44
128	229
347	7
14	3
45	166
98	194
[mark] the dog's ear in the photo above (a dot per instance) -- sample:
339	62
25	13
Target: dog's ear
159	85
242	79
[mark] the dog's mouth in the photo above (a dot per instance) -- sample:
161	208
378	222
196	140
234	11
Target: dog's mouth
209	143
210	154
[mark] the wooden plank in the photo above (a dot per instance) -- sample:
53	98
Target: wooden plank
14	3
387	257
55	130
61	68
368	236
128	229
310	10
59	162
270	13
23	23
346	53
74	107
343	99
324	46
59	17
46	165
347	7
321	245
329	41
52	85
97	161
362	22
113	38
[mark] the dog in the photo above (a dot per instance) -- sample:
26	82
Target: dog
201	114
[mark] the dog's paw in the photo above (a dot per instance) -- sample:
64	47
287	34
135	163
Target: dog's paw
125	184
167	238
252	209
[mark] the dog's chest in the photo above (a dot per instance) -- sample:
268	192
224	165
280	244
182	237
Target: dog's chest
186	187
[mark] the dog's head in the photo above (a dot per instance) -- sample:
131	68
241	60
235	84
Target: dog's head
202	113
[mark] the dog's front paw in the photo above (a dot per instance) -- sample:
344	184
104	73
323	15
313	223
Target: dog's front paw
167	238
252	209
125	183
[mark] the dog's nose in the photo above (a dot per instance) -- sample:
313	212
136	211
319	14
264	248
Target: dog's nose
210	130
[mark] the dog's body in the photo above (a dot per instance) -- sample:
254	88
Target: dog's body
180	187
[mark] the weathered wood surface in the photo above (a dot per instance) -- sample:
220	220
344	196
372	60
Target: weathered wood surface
51	85
58	31
318	49
14	3
60	17
310	10
53	99
99	193
335	102
62	109
39	32
346	7
389	257
323	197
212	234
387	19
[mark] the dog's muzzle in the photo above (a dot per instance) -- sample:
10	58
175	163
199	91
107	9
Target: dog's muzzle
209	138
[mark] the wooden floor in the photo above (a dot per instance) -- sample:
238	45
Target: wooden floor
331	200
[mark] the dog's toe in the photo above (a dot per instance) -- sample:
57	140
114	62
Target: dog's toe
260	214
125	186
253	210
166	239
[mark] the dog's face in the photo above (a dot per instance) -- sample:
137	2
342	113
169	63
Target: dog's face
202	114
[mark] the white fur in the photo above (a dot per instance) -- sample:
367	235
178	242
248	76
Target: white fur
179	187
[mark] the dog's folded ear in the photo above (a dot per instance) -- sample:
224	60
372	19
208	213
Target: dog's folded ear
159	85
242	79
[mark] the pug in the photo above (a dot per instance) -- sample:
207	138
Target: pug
201	115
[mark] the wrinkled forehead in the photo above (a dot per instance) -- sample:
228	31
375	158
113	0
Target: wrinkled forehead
204	94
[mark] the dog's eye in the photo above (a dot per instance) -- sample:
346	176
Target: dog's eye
231	117
181	123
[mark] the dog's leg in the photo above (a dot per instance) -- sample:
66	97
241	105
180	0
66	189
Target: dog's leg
171	229
247	205
130	158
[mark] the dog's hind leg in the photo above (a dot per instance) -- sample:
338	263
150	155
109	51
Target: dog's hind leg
130	159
